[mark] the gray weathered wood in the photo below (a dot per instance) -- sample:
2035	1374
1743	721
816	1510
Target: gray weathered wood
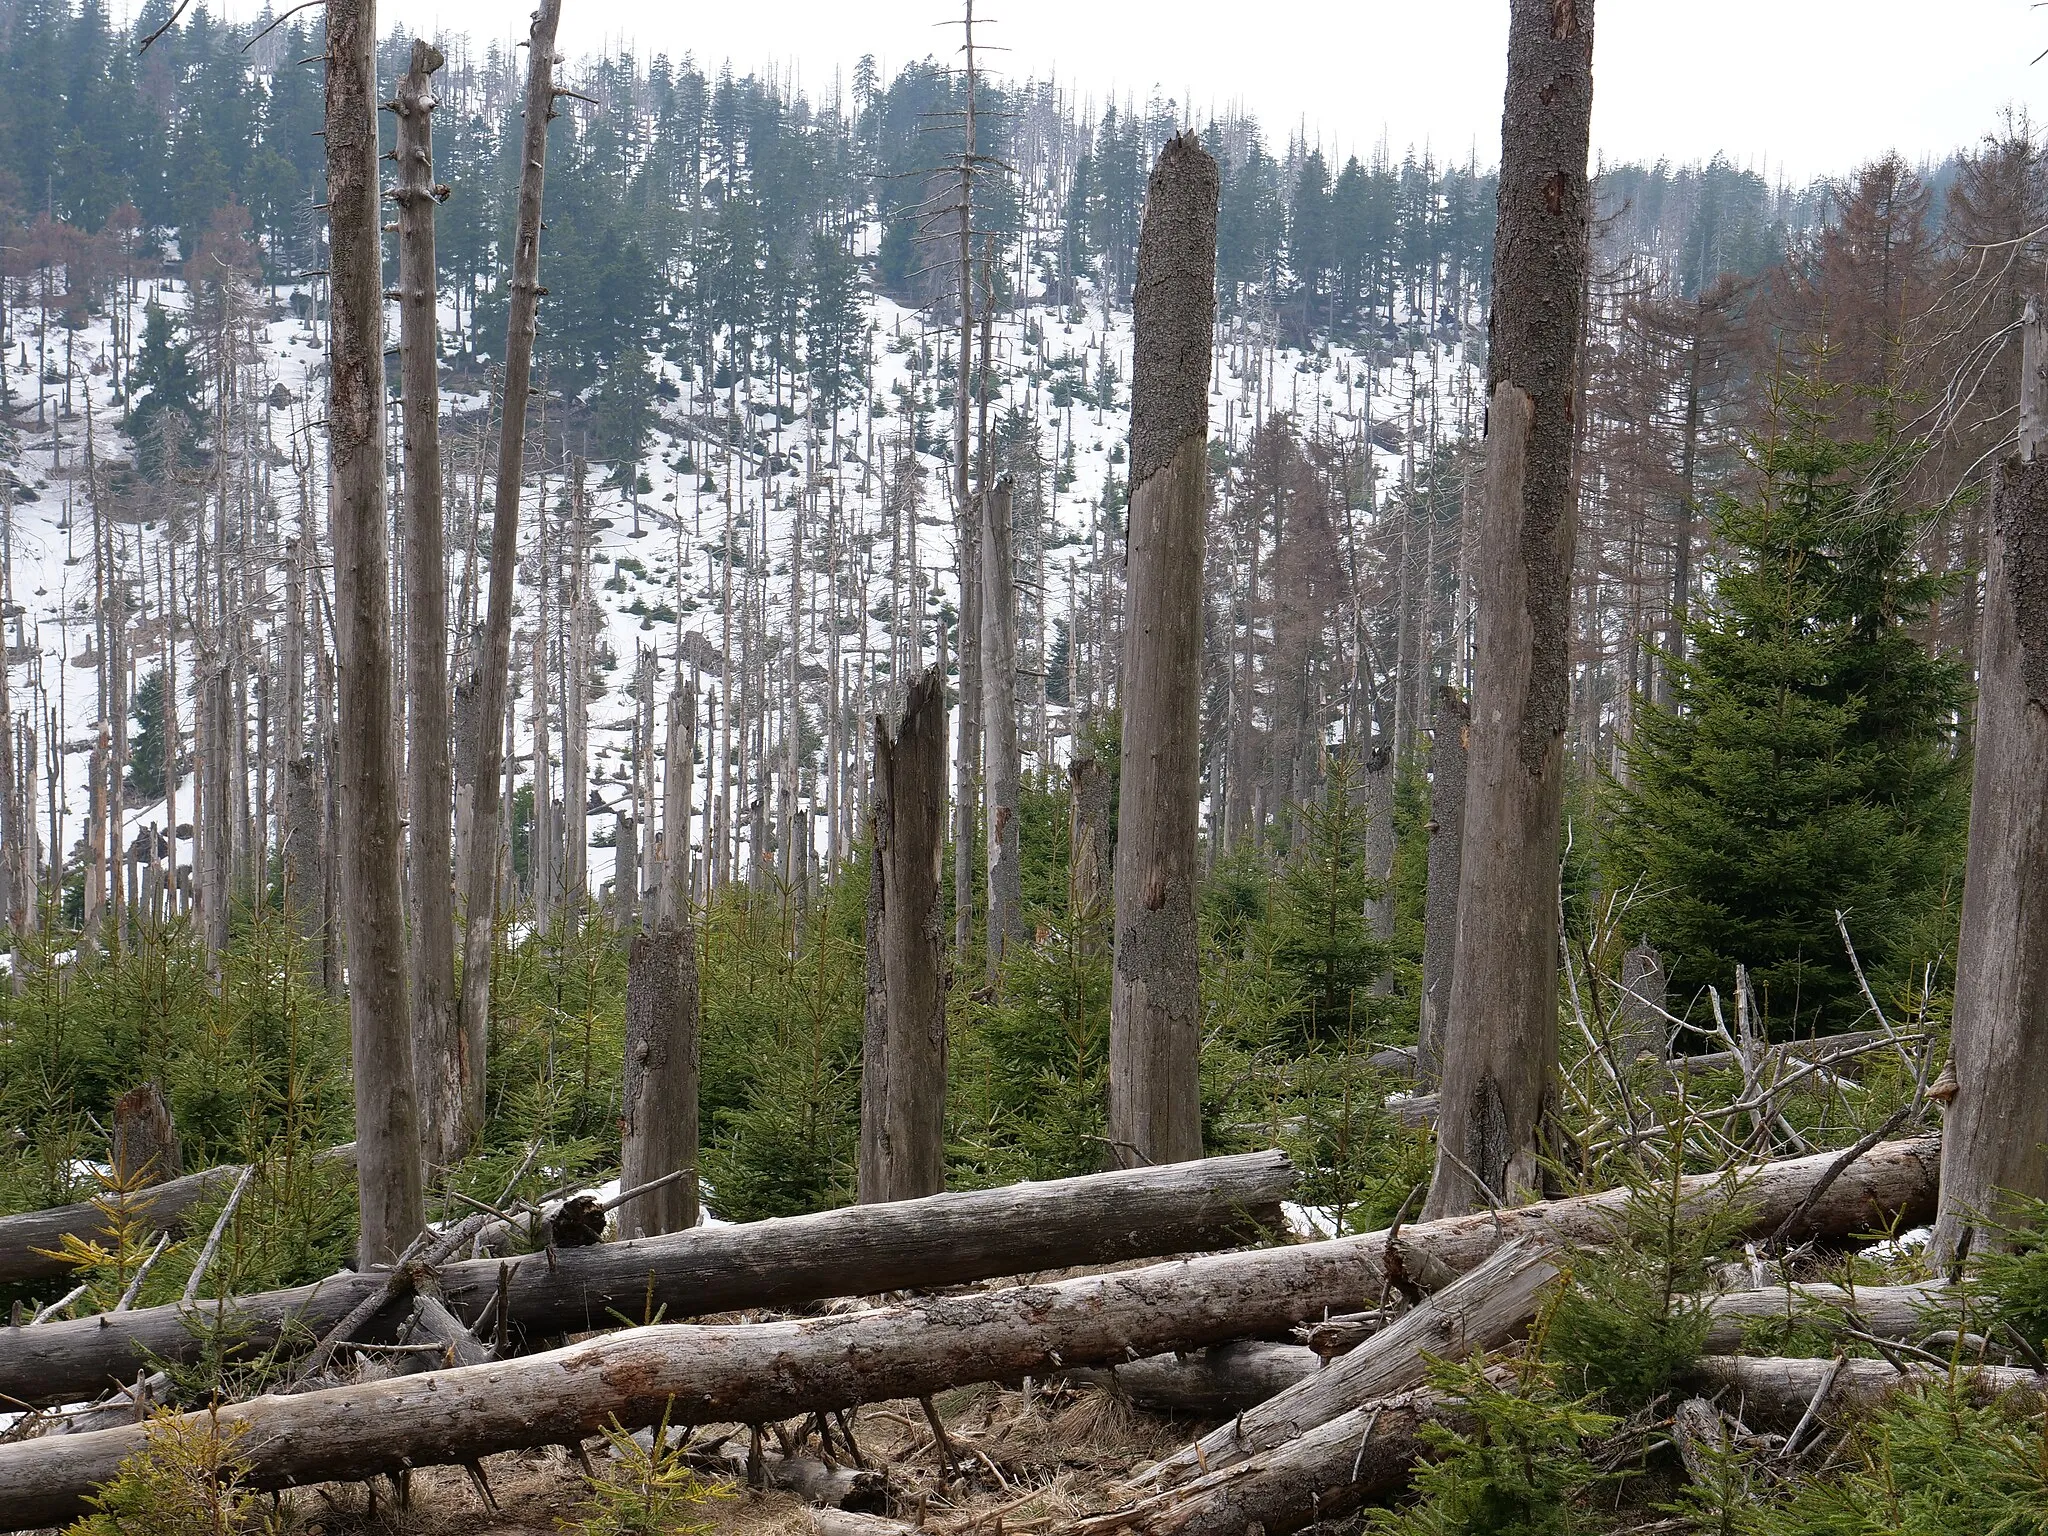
1480	1310
1449	738
1500	1040
1995	1143
658	1101
490	681
1000	761
1888	1311
439	1065
389	1177
903	1056
1778	1391
1155	1099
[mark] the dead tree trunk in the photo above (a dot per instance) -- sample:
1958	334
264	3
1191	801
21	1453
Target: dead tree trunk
1090	900
999	720
1450	733
673	904
903	1058
145	1139
1379	770
944	1240
1641	1021
1997	1123
1155	1089
439	1064
1500	1040
491	680
658	1114
388	1183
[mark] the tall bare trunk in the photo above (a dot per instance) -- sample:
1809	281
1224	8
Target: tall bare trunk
680	775
1997	1124
438	1058
1450	734
1500	1045
1155	1087
373	901
967	525
658	1111
903	1057
491	680
999	722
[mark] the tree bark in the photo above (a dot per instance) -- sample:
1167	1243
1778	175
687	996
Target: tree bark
1500	1046
1997	1123
1001	765
946	1239
1479	1311
1450	736
491	680
145	1139
439	1064
903	1058
658	1114
388	1173
1155	1088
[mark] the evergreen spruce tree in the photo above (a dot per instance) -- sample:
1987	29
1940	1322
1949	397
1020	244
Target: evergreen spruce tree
146	741
166	417
1810	760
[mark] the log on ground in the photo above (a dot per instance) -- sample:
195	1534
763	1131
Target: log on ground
859	1250
1207	1383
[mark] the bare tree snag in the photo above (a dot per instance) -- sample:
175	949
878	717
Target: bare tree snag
490	681
1641	1022
388	1173
658	1112
439	1064
948	1239
673	902
1155	1089
1000	760
1090	900
1479	1311
1995	1136
145	1139
1377	795
1500	1042
903	1056
1450	735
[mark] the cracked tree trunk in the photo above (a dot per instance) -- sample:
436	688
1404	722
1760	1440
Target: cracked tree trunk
1997	1122
490	682
1155	1089
388	1173
1500	1037
903	1056
439	1065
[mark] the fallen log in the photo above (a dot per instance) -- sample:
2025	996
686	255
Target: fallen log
1364	1454
1481	1310
763	1371
858	1250
1775	1390
29	1241
859	1489
1206	1384
1887	1311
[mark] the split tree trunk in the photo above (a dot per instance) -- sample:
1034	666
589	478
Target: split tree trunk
947	1239
999	721
490	682
1500	1044
440	1066
1450	735
388	1174
1155	1088
1997	1123
903	1056
658	1112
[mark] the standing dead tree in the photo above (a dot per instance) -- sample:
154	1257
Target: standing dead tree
1500	1044
490	681
439	1065
999	720
388	1179
1155	1098
903	1055
1997	1121
1450	733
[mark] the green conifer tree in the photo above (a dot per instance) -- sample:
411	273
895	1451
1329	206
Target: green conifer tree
1809	763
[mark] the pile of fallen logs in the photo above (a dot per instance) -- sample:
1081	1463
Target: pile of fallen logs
1315	1427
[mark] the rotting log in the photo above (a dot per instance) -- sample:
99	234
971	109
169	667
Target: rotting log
1479	1311
939	1240
29	1241
1205	1383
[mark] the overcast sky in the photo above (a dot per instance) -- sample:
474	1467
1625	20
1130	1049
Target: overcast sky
1809	86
